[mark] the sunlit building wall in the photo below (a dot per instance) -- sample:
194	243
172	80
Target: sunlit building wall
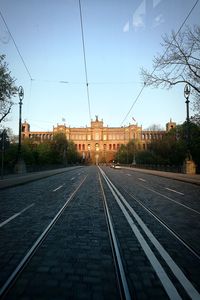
97	143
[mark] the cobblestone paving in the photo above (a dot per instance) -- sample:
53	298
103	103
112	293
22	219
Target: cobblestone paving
19	235
184	222
75	261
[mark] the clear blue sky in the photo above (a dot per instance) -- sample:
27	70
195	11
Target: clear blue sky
121	36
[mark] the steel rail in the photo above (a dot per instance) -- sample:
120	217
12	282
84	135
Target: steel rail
164	224
120	273
20	267
127	210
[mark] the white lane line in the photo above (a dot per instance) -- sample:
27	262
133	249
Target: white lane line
58	188
167	284
72	178
15	215
128	174
142	179
39	240
162	275
174	191
170	199
115	245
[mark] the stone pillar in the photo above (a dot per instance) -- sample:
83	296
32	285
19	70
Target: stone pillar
189	166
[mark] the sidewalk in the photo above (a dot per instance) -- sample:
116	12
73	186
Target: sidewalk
18	179
195	179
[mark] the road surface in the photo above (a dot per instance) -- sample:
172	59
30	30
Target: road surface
100	233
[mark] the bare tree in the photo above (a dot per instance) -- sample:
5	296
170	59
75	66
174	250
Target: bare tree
7	89
155	127
180	62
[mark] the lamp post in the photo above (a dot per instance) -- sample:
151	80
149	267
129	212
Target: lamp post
2	152
189	165
186	95
20	166
21	97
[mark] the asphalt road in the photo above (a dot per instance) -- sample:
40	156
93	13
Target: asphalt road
156	221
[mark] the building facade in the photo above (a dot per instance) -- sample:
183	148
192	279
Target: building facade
98	143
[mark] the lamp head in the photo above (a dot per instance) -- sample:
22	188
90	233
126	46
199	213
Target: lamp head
187	91
21	92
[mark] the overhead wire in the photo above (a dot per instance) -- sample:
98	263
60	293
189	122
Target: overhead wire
144	84
84	57
27	70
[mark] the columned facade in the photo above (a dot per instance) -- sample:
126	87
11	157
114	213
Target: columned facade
98	143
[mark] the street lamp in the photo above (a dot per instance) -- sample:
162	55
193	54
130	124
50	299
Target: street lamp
20	167
21	97
187	90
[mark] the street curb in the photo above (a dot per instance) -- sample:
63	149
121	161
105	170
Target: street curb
25	178
194	179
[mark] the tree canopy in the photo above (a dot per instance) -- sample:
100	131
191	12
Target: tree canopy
7	89
180	63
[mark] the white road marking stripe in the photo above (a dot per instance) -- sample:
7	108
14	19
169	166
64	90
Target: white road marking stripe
115	245
128	174
72	178
187	285
181	204
58	188
15	215
142	179
174	191
166	282
24	260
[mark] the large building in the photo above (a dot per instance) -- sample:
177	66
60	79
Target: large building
98	143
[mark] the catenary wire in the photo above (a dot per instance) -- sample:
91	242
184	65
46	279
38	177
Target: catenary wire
27	70
84	56
141	90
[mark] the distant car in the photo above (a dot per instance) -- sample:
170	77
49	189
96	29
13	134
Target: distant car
115	166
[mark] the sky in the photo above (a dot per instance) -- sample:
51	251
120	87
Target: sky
120	37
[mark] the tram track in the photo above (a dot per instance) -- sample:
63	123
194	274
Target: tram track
123	290
165	225
159	218
120	273
24	261
85	233
145	237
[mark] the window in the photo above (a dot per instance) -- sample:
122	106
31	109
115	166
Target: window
96	136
